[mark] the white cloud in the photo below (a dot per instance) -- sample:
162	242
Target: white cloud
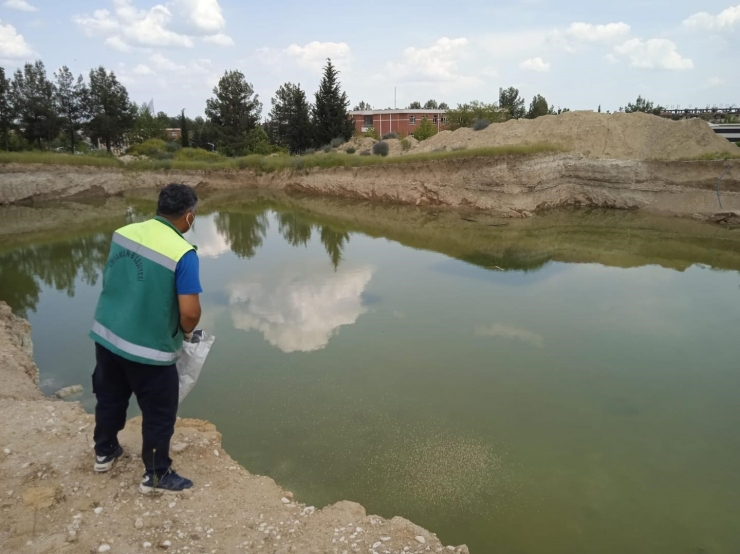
726	19
142	69
535	64
437	63
587	32
714	82
158	25
21	5
117	43
507	332
162	62
12	44
297	309
220	39
656	53
314	54
203	14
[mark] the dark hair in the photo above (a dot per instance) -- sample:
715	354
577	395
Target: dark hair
176	199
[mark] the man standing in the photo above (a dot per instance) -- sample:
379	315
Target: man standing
149	303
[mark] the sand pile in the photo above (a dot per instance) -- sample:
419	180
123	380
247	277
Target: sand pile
619	136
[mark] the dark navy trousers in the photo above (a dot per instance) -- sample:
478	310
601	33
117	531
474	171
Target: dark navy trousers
157	391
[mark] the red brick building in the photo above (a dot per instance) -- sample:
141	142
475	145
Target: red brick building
403	122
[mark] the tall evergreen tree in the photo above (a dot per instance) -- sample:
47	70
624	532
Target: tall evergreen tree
184	131
538	107
33	94
7	109
290	121
111	114
512	102
330	117
235	111
70	98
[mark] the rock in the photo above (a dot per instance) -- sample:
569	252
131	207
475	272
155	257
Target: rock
385	539
166	545
147	545
68	391
179	446
7	451
450	548
215	453
420	539
139	523
104	548
98	511
284	500
289	495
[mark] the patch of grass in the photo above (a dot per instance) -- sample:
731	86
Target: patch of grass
351	150
54	158
267	164
405	144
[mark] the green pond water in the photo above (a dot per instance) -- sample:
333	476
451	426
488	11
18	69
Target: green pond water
567	384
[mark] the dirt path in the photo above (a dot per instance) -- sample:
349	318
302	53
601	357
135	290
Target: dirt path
52	501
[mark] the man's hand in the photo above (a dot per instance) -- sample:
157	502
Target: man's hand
189	312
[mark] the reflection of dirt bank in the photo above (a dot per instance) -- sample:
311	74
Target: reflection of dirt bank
508	185
53	502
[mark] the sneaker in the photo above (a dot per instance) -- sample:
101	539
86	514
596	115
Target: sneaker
105	463
169	482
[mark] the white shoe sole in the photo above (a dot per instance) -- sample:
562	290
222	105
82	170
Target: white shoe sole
104	468
149	490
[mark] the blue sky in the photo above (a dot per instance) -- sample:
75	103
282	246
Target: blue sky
577	54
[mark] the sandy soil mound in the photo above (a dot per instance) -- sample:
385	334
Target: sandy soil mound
617	136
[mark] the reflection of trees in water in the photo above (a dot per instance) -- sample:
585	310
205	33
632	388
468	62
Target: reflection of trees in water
334	242
244	231
22	271
296	230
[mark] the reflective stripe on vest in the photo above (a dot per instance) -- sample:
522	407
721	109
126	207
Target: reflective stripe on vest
131	348
145	252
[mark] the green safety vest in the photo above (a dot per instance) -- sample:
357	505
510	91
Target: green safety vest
138	315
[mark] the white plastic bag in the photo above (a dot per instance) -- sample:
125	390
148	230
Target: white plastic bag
191	360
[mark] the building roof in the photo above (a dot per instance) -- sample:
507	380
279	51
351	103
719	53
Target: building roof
399	111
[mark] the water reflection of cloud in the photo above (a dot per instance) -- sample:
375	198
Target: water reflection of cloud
505	331
205	235
298	308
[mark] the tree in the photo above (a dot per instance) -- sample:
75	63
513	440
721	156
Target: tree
184	132
70	98
243	231
334	243
431	105
414	106
362	106
538	107
290	121
294	228
111	114
33	94
599	108
146	125
425	130
205	134
443	106
467	114
643	105
510	101
235	111
7	109
330	117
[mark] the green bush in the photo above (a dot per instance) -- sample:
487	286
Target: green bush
173	147
406	144
198	155
371	133
425	130
308	152
351	150
391	135
327	148
151	148
337	142
480	124
381	148
296	162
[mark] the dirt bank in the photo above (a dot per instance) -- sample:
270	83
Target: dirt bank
507	185
51	501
